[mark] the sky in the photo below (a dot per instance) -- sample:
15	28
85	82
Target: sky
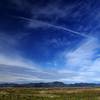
49	40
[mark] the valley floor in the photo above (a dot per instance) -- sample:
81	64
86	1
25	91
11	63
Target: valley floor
49	93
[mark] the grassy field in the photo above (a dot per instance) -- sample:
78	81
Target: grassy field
50	94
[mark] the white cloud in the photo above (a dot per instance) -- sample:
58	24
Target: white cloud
82	62
83	55
17	78
95	67
17	61
84	69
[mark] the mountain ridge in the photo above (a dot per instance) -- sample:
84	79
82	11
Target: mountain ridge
49	84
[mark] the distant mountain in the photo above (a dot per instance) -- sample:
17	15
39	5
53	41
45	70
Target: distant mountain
50	84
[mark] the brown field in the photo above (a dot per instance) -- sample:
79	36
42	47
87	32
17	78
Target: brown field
49	93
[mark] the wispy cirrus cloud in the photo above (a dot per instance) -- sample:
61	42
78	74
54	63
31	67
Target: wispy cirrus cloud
82	62
84	54
18	78
16	61
35	23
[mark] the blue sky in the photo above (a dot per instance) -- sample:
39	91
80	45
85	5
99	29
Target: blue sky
49	40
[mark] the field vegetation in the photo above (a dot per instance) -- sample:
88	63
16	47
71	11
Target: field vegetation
50	94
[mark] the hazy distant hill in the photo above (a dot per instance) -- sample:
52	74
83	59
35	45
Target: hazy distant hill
50	84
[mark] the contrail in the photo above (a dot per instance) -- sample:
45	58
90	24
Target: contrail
52	25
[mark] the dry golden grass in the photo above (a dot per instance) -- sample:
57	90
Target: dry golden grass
50	93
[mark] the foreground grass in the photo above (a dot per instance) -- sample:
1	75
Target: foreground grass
50	94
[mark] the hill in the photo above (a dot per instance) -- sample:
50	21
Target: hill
50	84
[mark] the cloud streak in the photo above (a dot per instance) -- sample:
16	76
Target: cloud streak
84	54
83	59
16	61
38	23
